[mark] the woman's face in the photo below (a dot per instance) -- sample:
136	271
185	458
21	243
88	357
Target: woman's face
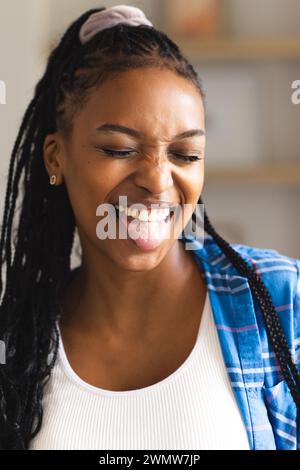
157	105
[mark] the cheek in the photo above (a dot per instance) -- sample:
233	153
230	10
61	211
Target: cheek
89	184
191	184
194	181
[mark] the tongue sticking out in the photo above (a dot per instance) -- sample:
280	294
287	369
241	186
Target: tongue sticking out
146	235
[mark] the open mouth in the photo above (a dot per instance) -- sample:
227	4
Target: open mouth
143	233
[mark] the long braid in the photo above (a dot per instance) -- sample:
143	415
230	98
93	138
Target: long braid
40	267
37	274
274	328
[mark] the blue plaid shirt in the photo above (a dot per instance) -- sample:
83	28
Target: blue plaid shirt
265	401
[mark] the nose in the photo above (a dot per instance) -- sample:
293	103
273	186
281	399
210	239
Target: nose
154	173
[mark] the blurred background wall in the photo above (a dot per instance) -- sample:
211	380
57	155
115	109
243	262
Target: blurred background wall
247	53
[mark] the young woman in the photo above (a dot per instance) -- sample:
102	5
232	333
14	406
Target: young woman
147	344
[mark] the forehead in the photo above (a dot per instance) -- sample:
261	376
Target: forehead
157	102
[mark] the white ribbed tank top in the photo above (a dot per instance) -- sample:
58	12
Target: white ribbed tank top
192	408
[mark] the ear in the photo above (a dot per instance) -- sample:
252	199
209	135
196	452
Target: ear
53	156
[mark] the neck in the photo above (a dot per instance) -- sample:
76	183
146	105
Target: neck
117	301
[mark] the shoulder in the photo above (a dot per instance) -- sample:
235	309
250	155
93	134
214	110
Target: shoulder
272	265
281	276
260	253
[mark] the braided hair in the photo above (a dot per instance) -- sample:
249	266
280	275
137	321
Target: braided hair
38	270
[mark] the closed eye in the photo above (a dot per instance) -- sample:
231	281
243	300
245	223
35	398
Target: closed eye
124	154
191	158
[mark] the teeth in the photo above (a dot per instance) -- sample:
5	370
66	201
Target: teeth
141	215
134	212
154	215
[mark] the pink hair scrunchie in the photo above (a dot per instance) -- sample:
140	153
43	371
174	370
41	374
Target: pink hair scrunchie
109	17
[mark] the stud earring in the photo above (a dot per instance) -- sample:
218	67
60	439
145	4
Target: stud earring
53	179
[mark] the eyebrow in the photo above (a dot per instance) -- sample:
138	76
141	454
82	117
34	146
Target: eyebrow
134	133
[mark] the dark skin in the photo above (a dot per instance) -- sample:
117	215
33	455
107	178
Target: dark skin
138	312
